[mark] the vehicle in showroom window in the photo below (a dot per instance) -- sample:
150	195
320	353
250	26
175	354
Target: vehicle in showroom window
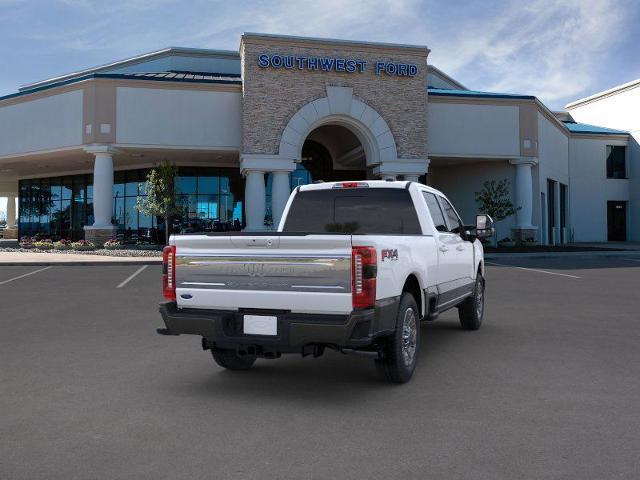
354	267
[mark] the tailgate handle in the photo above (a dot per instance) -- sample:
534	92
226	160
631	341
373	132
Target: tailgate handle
265	242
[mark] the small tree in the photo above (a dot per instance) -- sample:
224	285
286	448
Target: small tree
495	199
160	199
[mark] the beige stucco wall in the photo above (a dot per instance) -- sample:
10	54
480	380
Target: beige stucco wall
50	122
178	117
272	96
460	129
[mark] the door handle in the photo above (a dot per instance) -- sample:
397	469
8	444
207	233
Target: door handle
443	248
460	248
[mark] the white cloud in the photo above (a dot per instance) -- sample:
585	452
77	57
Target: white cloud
546	48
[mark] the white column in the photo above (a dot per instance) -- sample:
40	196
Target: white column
103	190
280	191
409	169
11	212
524	193
254	197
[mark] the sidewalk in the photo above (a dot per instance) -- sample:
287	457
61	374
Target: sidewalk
37	259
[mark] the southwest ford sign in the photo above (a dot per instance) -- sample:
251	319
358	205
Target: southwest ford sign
333	64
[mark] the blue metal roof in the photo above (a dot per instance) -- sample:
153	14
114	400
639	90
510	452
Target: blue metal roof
575	127
444	92
188	77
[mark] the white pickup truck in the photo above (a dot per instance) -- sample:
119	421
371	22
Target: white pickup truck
353	266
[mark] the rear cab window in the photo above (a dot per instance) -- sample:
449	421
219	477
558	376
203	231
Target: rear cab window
359	210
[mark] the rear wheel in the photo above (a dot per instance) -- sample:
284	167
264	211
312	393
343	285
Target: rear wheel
230	360
400	352
471	311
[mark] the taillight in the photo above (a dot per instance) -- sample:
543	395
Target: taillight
363	276
169	272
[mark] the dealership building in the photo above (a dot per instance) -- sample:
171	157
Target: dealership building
246	127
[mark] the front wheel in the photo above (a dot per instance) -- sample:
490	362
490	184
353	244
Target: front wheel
230	360
471	311
400	352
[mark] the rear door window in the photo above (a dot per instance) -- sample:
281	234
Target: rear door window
353	210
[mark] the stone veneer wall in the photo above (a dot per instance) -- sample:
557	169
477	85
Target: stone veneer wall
272	96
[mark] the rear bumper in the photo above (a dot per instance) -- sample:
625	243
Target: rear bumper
224	328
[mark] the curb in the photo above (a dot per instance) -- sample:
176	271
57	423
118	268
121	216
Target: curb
595	253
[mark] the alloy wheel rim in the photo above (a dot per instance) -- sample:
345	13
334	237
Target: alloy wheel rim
409	336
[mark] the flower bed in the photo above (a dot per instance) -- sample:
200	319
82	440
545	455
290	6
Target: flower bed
112	248
113	245
62	245
83	245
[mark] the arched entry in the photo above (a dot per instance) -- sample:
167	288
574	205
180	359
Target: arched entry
345	115
332	153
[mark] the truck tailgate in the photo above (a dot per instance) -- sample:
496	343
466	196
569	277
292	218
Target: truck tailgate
298	273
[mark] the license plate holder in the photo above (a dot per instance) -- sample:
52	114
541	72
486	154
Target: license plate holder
260	325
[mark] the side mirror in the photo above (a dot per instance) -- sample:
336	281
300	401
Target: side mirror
484	226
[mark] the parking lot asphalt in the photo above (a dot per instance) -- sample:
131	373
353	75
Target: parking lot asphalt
549	387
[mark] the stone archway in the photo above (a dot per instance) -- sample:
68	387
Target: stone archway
339	107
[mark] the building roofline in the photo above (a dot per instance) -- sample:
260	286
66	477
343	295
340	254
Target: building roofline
588	129
132	61
605	93
445	92
448	78
423	49
120	76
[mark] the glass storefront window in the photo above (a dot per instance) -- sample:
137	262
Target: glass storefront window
186	185
60	207
67	189
208	185
211	199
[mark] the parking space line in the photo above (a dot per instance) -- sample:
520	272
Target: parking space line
632	259
533	270
132	276
25	275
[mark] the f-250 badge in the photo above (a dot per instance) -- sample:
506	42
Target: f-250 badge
390	254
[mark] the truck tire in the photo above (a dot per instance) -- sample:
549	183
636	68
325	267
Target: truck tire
231	361
471	311
400	352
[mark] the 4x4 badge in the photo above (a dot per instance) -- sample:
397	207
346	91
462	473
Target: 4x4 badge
390	254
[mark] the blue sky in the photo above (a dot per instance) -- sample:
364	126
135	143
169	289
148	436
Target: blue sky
557	50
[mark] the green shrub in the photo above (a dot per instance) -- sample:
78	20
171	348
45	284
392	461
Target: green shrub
113	244
83	245
43	244
62	245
